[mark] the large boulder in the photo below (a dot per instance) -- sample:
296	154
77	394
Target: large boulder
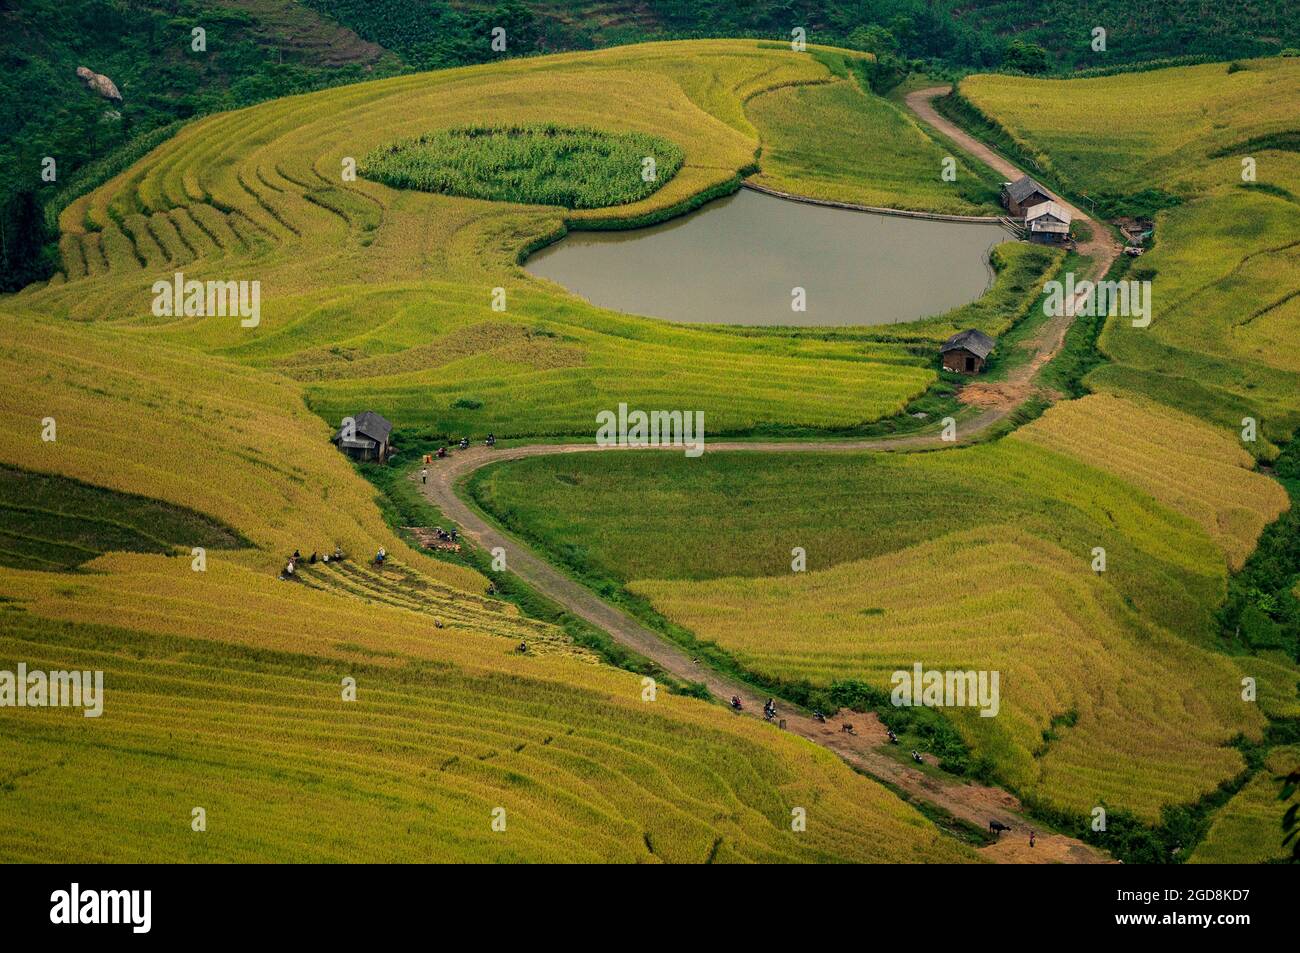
99	83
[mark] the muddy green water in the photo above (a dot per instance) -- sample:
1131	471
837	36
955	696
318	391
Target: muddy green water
736	261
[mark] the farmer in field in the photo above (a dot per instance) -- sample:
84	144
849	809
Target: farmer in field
424	475
380	556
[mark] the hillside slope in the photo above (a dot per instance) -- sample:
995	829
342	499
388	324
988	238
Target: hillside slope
385	295
984	557
250	50
1224	269
224	684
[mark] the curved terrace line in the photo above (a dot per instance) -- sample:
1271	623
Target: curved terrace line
974	804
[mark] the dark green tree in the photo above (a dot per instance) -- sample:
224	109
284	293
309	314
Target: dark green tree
1025	57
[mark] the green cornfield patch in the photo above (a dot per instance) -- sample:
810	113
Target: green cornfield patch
533	164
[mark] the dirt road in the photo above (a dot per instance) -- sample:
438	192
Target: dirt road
864	749
1101	247
867	747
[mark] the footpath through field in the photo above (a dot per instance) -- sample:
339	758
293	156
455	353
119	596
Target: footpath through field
866	748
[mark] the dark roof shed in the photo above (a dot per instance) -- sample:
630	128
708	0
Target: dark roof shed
368	424
1023	188
977	342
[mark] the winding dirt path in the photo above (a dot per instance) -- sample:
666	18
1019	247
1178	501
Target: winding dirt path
867	747
1101	247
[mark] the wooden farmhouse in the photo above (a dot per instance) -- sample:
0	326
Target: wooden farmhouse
367	439
966	351
1023	194
1048	223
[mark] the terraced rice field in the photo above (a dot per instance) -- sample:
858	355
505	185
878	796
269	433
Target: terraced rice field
233	443
833	142
57	524
937	558
1247	829
1197	471
387	295
242	715
1223	336
1178	128
975	558
1151	717
223	685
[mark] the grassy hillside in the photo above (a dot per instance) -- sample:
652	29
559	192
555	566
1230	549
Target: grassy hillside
222	685
1224	270
1248	829
982	556
384	296
978	557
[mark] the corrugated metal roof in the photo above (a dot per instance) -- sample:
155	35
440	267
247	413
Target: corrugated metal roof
1024	187
1053	209
977	342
